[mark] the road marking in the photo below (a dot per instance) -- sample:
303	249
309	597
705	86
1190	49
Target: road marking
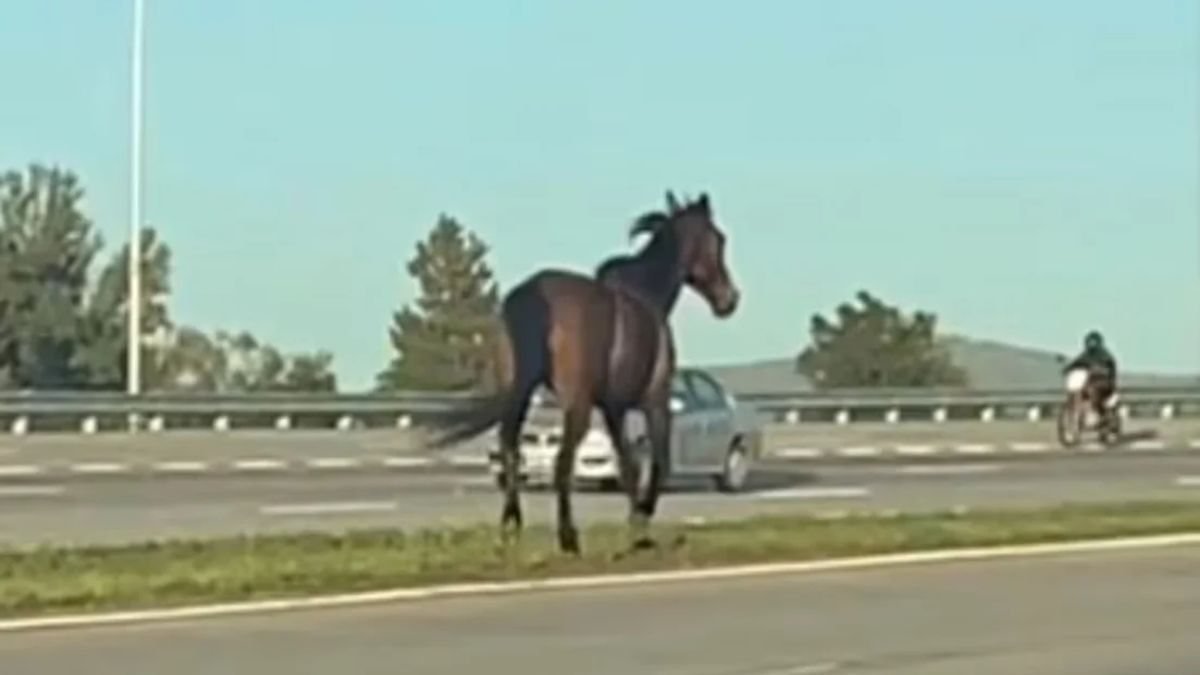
807	669
1187	481
799	453
1148	445
1092	447
858	451
813	493
181	467
468	460
259	465
568	583
99	467
326	508
13	470
1029	447
406	462
1194	444
31	490
333	463
975	449
915	450
947	469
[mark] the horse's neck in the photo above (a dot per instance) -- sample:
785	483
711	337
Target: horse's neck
654	281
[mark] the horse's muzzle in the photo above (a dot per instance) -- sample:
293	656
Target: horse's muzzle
727	302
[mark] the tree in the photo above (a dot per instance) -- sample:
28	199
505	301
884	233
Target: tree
48	246
445	341
105	337
875	345
310	372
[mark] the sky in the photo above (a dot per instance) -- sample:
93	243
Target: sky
1028	170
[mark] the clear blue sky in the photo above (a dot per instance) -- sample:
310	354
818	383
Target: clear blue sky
1027	169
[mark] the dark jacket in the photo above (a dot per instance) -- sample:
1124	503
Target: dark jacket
1096	361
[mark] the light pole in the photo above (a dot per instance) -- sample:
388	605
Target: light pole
134	351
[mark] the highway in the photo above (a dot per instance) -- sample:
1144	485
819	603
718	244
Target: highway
124	507
1119	613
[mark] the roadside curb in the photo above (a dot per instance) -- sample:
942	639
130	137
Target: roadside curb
965	449
592	582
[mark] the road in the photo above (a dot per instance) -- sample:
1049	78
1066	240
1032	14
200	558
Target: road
1127	613
130	507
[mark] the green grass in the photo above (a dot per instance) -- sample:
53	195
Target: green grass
57	580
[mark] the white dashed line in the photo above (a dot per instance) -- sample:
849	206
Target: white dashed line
975	449
799	453
915	450
807	669
181	467
947	469
814	493
31	490
1188	481
15	470
1194	444
99	468
1029	447
866	451
333	463
469	460
259	465
326	508
406	462
1148	445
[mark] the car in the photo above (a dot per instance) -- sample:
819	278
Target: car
711	436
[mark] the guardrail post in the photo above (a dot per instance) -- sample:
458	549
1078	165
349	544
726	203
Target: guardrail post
90	425
157	423
1123	411
792	417
1167	412
940	415
1035	413
345	423
20	426
283	422
843	417
988	414
404	421
221	423
892	416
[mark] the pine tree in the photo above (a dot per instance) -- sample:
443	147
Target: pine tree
445	341
47	246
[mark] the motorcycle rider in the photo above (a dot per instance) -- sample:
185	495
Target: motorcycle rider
1101	368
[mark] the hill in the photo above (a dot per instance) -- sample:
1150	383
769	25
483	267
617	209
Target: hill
989	365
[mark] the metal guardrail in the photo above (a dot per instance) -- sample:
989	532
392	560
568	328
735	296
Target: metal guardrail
87	412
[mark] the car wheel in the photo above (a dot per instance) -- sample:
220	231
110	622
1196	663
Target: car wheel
735	470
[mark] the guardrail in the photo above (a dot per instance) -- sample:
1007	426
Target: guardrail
23	413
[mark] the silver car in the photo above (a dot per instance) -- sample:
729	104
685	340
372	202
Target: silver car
710	437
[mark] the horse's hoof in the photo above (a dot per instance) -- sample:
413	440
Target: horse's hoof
644	544
568	542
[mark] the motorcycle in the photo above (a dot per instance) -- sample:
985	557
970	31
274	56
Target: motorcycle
1078	415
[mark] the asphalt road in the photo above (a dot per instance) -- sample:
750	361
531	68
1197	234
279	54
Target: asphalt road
1128	613
129	507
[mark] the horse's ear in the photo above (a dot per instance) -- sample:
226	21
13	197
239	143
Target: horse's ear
672	203
703	203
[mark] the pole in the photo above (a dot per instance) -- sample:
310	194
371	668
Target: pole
134	375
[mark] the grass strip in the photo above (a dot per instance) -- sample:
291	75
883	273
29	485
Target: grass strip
50	580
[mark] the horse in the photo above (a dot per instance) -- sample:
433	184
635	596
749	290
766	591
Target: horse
604	342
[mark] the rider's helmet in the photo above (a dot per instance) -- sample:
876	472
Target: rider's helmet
1093	340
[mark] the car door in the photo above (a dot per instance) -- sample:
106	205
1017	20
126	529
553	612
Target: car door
687	431
716	427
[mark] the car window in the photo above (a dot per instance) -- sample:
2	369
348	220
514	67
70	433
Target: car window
679	390
708	393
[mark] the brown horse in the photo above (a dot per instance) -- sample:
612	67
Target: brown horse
602	342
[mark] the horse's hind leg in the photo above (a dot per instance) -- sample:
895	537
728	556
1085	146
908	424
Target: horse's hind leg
576	420
510	455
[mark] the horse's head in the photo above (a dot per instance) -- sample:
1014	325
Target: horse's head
700	250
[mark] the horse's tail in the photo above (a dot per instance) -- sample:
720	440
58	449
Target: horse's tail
518	363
